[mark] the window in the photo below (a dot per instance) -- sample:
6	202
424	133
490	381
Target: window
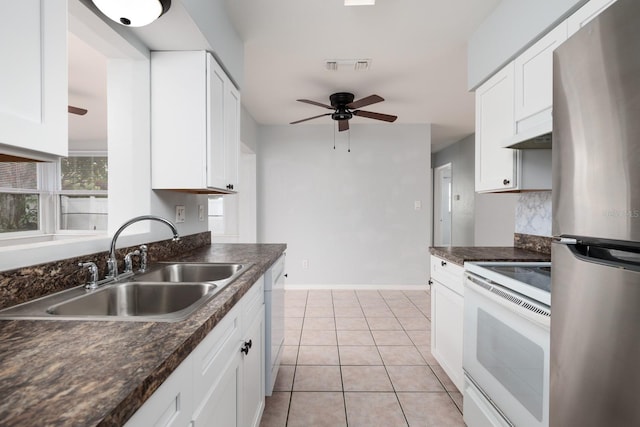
19	197
51	197
82	198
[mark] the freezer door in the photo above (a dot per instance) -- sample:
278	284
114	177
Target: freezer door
596	128
595	339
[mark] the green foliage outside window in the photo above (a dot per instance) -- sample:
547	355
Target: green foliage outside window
84	173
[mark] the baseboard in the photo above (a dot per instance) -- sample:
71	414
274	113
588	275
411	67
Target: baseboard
424	287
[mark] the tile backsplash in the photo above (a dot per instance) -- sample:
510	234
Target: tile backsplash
533	213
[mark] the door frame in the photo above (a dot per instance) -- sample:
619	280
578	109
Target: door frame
438	173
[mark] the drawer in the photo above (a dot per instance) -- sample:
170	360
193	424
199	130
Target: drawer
253	300
447	273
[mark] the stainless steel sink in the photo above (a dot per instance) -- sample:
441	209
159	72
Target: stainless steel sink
190	272
169	292
141	299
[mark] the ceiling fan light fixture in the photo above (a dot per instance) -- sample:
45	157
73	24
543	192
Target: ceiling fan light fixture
359	2
133	13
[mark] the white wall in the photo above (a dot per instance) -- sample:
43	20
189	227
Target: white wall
495	219
351	215
512	27
211	18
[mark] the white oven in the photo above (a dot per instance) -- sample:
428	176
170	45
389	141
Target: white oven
506	349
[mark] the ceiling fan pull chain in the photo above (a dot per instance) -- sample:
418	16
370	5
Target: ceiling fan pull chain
334	135
349	150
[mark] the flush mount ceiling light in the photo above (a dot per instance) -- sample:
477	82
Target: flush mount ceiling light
359	2
133	13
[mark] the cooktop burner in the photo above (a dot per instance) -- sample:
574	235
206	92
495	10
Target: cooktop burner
539	277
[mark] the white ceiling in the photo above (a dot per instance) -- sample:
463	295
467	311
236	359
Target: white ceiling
417	48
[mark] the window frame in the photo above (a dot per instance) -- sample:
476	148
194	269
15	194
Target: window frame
49	183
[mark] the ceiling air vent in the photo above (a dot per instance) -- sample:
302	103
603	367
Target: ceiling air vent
347	64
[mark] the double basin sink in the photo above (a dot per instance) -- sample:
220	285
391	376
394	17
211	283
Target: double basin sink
167	293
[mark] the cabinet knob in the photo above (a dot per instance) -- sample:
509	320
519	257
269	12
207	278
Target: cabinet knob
443	263
430	282
246	346
506	181
286	275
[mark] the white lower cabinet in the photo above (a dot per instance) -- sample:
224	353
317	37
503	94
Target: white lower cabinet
447	313
253	375
221	383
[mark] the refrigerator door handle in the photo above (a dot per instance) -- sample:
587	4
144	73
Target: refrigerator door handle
565	241
603	255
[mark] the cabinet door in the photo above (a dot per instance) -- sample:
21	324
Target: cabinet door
534	74
33	79
253	374
585	14
220	407
171	405
495	165
216	164
232	134
446	330
178	120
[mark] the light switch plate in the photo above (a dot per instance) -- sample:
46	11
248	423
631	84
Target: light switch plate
200	213
180	213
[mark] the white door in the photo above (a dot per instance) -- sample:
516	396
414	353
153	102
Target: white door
442	205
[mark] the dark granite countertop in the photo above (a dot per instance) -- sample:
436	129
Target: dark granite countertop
81	373
461	254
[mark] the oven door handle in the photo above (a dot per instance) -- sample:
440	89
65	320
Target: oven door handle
512	301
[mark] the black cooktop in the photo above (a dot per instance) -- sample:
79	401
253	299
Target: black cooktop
539	277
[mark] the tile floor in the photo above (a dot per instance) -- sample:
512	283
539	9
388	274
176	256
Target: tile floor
360	358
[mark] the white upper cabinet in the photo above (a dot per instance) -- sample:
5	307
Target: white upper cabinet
33	79
586	13
534	75
195	130
495	165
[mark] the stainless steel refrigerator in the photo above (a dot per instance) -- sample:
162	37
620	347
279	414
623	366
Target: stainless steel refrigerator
595	310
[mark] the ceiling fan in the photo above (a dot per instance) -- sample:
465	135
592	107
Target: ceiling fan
76	110
344	108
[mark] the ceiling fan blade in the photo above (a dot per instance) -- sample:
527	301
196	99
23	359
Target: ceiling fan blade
376	116
343	125
319	104
75	110
309	118
372	99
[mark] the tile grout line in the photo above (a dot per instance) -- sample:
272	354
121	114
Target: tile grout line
344	397
369	326
295	367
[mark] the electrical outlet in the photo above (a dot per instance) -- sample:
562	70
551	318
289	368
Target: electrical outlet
305	264
200	213
417	205
180	213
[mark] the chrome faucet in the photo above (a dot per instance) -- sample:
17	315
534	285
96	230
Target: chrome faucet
92	283
112	263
